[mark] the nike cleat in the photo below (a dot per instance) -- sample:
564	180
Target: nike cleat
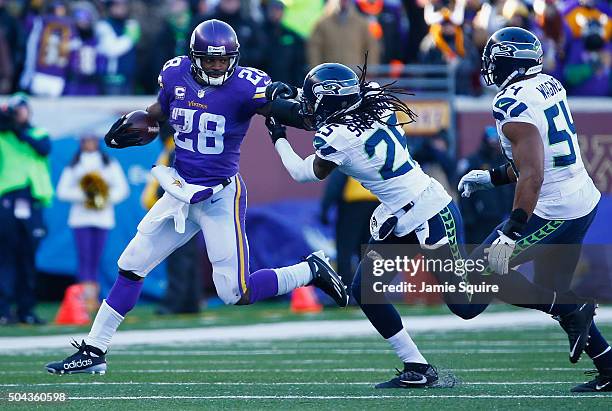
87	360
326	279
601	383
577	324
415	375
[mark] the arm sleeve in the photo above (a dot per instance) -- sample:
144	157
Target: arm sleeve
301	170
119	189
286	112
68	188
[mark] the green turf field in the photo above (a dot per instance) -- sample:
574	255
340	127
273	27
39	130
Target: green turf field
501	369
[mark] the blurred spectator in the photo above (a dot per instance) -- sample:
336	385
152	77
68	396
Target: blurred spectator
93	183
184	266
342	35
447	44
354	205
433	156
285	58
576	12
118	35
200	10
389	25
417	28
48	52
589	56
25	188
553	33
87	64
11	49
249	33
516	14
483	210
172	38
301	15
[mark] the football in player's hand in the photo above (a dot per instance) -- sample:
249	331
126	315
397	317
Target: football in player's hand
143	124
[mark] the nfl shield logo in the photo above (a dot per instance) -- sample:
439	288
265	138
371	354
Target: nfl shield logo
200	93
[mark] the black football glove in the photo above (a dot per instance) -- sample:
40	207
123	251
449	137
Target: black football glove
117	137
278	89
275	129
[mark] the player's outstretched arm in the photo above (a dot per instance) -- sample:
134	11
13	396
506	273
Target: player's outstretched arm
312	168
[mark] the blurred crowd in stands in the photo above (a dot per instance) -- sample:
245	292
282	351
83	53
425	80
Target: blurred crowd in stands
93	47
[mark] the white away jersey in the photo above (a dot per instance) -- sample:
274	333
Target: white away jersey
379	159
567	191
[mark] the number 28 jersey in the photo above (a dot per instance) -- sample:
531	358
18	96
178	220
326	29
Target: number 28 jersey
210	122
567	191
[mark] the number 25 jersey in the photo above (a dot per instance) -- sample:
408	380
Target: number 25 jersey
567	191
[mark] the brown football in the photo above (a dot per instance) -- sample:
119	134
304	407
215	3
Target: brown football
143	124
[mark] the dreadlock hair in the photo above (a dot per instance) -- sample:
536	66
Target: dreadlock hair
376	103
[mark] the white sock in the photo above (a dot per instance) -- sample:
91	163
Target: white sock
292	277
405	348
104	327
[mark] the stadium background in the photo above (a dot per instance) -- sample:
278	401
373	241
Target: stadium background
404	47
264	355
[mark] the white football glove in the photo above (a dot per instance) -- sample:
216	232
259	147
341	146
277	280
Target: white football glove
499	253
473	181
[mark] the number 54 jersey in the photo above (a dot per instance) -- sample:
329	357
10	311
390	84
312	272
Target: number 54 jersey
210	122
567	191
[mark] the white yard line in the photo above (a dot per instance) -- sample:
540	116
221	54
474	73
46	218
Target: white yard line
316	370
301	329
331	397
269	384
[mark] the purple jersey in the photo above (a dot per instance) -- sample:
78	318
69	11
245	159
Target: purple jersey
210	121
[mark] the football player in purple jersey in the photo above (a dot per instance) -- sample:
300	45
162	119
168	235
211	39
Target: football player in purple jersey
209	100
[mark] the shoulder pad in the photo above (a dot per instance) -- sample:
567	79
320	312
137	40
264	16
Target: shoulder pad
171	69
506	107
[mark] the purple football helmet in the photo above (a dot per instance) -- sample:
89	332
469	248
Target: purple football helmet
213	38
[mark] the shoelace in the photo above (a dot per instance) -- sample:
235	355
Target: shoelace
82	347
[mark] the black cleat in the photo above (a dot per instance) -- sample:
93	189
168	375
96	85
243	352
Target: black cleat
577	324
88	360
326	279
601	383
415	375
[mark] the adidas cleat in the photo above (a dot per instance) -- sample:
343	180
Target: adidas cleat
577	324
601	383
87	360
415	375
326	279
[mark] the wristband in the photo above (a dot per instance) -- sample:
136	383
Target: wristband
515	225
499	175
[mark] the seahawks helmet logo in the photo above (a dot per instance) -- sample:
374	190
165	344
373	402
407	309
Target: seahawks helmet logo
335	88
518	50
